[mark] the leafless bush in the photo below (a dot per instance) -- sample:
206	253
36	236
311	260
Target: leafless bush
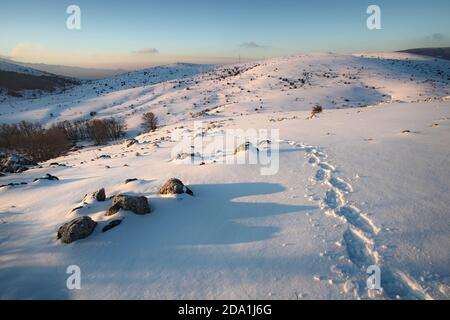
103	130
149	122
98	130
34	141
42	144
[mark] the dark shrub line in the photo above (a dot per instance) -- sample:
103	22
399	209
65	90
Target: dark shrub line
42	144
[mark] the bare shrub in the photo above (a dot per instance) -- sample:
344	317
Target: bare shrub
34	141
103	130
42	144
317	109
149	122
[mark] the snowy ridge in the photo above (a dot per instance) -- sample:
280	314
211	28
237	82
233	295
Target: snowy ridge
11	67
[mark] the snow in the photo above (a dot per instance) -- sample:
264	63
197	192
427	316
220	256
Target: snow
353	188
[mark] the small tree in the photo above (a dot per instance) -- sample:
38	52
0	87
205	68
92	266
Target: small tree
149	122
317	109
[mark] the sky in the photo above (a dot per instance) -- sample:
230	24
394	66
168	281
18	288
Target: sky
136	33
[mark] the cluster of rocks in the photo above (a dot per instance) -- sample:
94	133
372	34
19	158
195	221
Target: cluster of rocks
12	184
13	163
84	226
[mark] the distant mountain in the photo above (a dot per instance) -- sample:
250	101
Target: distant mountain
442	53
17	80
67	71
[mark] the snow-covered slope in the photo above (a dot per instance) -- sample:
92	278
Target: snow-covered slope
283	84
364	183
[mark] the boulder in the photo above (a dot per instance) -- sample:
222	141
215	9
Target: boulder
137	205
99	195
76	229
111	225
175	186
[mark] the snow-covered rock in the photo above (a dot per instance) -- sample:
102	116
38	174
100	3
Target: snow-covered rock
76	229
136	204
175	186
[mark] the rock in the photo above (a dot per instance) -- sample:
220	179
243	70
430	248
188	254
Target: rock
48	176
130	180
264	143
138	205
113	209
184	155
99	195
76	229
13	163
244	147
130	142
76	208
104	156
111	225
175	186
13	184
21	169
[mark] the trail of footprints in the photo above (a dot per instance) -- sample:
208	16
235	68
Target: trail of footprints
359	237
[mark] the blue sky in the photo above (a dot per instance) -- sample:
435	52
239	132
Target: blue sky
114	33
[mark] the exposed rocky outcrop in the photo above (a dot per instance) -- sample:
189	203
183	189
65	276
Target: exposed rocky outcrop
12	184
76	229
13	163
48	176
175	186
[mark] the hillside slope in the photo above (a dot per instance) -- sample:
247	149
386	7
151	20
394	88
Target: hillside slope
363	183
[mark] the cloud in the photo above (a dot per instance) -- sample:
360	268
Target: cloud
30	52
252	45
146	51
